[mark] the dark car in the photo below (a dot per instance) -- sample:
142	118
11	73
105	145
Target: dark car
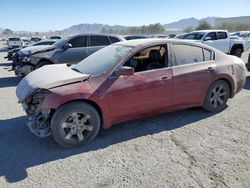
125	81
10	53
134	37
69	50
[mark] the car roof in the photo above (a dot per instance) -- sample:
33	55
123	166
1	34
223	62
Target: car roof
91	34
158	41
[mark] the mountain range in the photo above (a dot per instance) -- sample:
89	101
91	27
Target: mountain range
189	22
95	28
179	25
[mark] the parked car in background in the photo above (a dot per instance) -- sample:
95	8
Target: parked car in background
219	39
245	35
34	40
172	35
55	37
25	41
125	81
15	42
69	50
11	52
180	36
133	37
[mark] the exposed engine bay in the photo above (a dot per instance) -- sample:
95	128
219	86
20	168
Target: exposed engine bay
38	119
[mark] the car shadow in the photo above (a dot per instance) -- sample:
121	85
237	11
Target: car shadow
22	150
247	84
9	81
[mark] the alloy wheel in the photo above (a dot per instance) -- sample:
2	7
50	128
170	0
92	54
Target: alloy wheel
77	126
218	96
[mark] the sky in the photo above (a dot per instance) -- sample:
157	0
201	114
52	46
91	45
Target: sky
45	15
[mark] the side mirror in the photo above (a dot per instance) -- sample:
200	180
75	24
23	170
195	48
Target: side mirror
66	46
124	70
207	38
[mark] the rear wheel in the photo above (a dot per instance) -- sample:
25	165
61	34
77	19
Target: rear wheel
237	52
217	96
42	63
75	124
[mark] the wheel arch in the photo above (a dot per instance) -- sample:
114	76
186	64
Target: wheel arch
236	46
230	83
92	103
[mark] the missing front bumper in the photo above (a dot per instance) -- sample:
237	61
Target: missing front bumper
23	70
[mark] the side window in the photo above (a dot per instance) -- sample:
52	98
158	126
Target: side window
99	41
151	58
207	55
114	39
77	42
186	54
212	35
221	35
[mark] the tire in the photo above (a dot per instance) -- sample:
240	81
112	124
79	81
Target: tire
214	100
237	52
42	63
65	130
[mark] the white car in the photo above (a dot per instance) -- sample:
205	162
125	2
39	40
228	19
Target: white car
219	39
15	42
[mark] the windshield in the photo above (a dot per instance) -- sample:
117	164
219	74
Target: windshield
103	59
194	36
60	42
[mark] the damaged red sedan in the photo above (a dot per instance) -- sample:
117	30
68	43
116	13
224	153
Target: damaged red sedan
125	81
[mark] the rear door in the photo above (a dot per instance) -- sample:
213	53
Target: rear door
74	54
223	42
193	72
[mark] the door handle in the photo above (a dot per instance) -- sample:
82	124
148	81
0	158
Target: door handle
165	78
210	69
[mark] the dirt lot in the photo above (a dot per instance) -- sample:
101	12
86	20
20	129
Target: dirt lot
189	148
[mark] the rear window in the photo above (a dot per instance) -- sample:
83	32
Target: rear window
99	41
14	39
35	39
222	35
114	39
44	43
55	37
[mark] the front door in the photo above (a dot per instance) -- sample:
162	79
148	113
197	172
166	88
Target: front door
141	93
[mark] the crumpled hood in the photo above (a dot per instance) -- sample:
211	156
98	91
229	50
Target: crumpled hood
47	77
34	49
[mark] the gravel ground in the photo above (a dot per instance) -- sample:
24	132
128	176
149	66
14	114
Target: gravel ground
189	148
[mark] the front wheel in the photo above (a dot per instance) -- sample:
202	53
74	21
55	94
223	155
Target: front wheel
217	96
75	124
